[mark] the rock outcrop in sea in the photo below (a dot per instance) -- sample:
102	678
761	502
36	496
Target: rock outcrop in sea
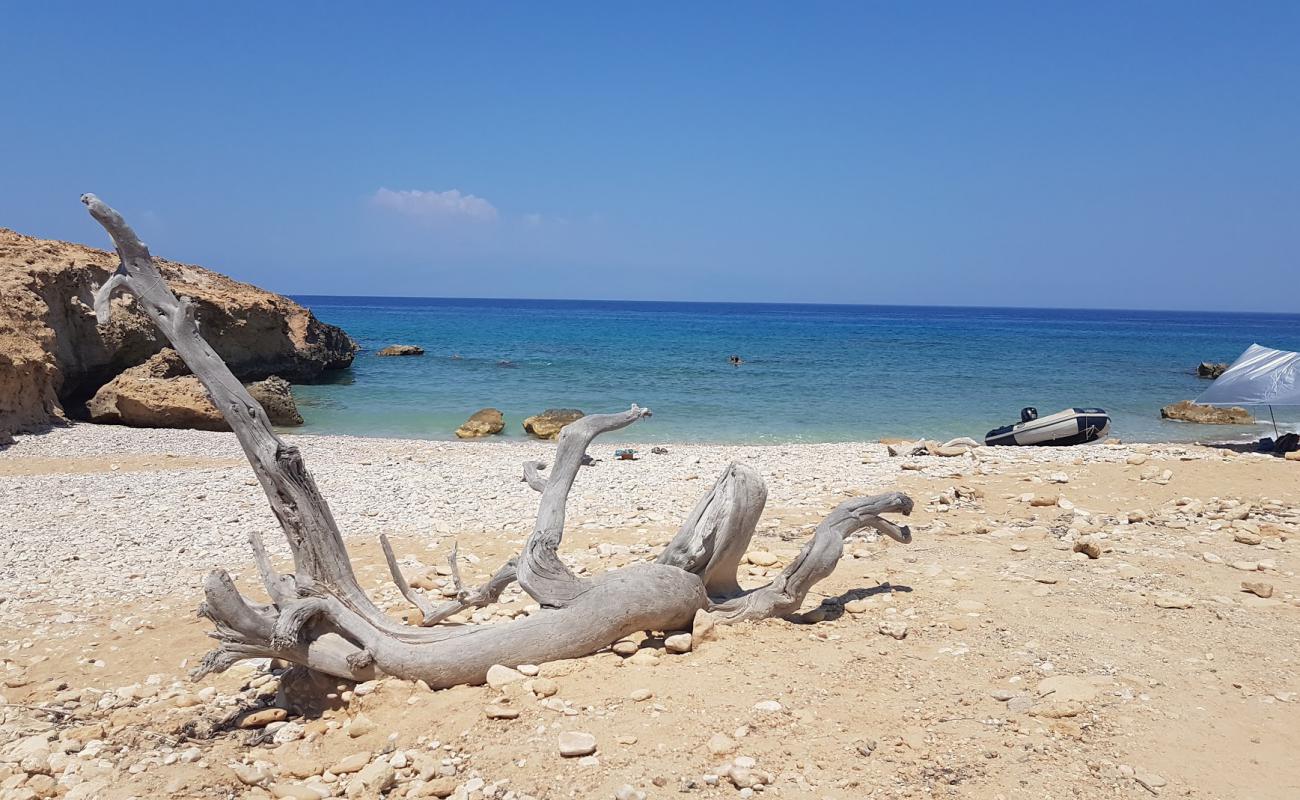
54	358
1187	411
401	350
484	422
1211	369
547	424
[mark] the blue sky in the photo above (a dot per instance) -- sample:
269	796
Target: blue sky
1043	154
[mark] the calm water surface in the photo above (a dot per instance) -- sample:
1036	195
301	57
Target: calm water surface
811	373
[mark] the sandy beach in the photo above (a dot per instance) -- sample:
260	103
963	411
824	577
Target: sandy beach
1145	671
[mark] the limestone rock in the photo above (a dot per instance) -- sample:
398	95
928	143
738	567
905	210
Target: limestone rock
678	643
161	393
1210	369
53	354
277	401
1187	411
1258	588
484	422
575	744
547	424
401	350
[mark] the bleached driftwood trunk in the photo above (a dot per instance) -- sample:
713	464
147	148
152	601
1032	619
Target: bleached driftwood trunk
321	618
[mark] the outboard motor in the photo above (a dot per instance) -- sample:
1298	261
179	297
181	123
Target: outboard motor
1028	414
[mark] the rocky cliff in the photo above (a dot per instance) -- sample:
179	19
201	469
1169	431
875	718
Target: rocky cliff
53	356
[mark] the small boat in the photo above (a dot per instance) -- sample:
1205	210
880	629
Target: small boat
1071	426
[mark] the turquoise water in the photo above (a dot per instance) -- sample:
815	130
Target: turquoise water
810	373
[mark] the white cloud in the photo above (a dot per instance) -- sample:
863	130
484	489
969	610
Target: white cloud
434	205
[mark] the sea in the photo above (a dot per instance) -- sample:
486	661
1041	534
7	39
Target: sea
808	373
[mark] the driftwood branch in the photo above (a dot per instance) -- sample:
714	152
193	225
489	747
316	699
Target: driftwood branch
320	617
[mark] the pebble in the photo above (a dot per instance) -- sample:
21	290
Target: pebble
678	643
761	558
498	676
859	606
1088	546
574	744
893	628
640	695
263	717
1246	537
625	647
767	706
359	726
501	712
629	792
1258	588
352	763
293	791
1173	601
544	687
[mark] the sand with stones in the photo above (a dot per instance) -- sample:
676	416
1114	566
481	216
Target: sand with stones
1025	669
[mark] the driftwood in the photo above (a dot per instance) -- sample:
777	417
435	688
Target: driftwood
320	617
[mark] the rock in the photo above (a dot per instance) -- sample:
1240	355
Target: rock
640	695
894	628
1294	455
625	647
161	393
438	787
720	744
1136	460
1170	600
761	558
859	606
352	763
1209	369
252	774
767	706
1149	780
629	792
1258	588
401	350
1088	546
501	712
547	425
262	717
53	353
360	726
1056	709
704	627
294	791
484	422
1246	537
544	687
678	643
498	676
574	744
1044	500
374	778
1187	411
276	397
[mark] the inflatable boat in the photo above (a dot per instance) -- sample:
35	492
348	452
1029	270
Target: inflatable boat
1071	426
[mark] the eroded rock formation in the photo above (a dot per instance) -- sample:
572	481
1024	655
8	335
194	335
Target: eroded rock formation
484	422
1187	411
547	425
53	357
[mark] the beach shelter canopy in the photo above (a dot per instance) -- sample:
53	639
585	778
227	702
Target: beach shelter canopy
1261	376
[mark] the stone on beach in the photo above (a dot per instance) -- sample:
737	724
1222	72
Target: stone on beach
575	744
1187	411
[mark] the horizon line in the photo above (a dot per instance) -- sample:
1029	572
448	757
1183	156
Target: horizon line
804	304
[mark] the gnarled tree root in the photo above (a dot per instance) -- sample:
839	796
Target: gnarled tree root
320	617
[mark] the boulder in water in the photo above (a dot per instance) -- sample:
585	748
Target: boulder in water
1210	369
484	422
547	424
401	350
276	398
1187	411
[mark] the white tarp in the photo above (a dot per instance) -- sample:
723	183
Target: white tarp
1261	376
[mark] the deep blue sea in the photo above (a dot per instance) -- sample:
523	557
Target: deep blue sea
811	373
